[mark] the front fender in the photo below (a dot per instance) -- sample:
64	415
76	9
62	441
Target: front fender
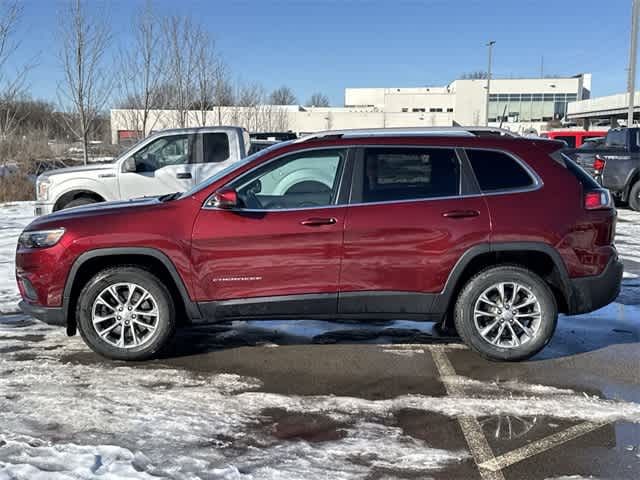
64	186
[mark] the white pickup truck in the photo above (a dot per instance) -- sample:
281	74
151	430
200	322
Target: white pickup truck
165	162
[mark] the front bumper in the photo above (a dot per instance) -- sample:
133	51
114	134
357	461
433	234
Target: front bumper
49	315
594	292
42	208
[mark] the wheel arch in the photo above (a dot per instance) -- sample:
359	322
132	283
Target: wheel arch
67	197
541	258
89	263
633	177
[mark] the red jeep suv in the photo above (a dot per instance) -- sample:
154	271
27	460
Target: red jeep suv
489	233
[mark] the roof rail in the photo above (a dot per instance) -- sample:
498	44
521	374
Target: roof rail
409	132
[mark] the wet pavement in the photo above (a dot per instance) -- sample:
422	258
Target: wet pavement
339	393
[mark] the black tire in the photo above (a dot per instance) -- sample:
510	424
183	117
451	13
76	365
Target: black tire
77	202
166	318
466	302
634	197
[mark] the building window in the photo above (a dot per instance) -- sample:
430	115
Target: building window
435	110
417	110
405	110
450	110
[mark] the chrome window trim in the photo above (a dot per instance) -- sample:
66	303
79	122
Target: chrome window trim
537	181
346	148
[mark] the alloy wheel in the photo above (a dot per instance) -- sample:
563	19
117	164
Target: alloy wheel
507	315
125	315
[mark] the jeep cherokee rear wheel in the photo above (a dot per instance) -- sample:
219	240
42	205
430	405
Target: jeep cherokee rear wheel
506	313
126	313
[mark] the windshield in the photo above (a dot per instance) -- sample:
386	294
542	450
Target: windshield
231	168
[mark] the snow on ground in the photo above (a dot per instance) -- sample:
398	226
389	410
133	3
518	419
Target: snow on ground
125	422
13	218
119	421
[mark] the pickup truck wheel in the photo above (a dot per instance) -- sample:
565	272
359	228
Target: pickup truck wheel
76	202
634	197
126	313
506	313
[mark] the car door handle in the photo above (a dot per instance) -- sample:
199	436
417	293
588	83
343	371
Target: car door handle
183	175
315	222
461	213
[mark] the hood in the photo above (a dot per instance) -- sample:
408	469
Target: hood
83	168
94	209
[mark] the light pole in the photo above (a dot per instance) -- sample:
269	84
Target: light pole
631	80
486	117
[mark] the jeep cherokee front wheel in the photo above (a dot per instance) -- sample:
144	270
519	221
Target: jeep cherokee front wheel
506	313
126	313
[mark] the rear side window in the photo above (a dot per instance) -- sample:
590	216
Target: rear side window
215	147
410	173
497	171
587	181
616	138
569	140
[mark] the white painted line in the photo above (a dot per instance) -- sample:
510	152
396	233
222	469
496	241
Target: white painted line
489	466
515	456
471	429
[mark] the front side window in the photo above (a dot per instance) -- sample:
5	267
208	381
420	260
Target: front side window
497	171
392	174
163	152
301	180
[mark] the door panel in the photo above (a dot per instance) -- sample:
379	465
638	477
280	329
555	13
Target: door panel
163	166
398	251
409	247
216	152
259	254
284	239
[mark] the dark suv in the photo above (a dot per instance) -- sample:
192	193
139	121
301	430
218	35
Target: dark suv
492	234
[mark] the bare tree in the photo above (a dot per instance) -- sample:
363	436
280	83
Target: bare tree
318	100
477	75
12	86
248	100
87	84
209	70
223	95
141	67
182	57
283	96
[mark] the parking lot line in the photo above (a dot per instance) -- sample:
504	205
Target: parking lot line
471	429
489	466
515	456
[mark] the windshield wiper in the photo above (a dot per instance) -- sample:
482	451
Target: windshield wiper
169	196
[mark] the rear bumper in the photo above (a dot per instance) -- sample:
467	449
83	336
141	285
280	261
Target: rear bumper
591	293
49	315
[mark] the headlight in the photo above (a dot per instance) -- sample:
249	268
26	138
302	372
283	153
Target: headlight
40	238
42	189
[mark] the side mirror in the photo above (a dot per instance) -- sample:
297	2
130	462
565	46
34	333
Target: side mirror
129	165
227	198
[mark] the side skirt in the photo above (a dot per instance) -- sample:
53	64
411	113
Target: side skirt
356	306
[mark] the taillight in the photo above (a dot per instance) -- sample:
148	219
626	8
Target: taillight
598	164
597	200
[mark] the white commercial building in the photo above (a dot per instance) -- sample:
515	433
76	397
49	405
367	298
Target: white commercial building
611	110
518	104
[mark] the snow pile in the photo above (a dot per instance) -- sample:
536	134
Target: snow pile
13	218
